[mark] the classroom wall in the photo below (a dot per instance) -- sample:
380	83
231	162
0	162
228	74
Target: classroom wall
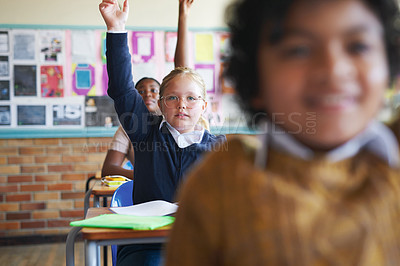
143	13
42	183
41	62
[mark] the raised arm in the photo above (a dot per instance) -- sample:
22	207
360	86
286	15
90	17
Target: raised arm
117	52
132	112
181	51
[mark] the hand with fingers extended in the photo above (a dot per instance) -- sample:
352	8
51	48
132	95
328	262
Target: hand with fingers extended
184	7
113	16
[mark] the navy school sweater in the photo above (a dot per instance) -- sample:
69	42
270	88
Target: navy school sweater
160	165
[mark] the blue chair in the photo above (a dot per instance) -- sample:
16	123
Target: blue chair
121	197
128	165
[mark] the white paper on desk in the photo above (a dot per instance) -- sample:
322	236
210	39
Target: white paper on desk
151	208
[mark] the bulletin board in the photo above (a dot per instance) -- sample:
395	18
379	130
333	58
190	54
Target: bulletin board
58	78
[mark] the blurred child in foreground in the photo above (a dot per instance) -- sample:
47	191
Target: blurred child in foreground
322	185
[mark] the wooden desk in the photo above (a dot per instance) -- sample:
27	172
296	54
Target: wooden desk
97	176
96	237
98	190
89	233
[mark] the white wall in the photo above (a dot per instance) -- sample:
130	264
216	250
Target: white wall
143	13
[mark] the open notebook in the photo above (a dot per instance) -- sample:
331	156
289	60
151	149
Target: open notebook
151	208
145	216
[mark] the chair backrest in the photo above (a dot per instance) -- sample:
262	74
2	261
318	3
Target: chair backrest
123	195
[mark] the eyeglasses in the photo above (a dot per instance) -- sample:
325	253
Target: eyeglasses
171	101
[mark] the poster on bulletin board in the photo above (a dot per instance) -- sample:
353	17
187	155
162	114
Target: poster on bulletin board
31	115
100	112
103	46
204	48
24	45
170	44
83	46
207	72
5	115
52	82
4	66
4	42
83	79
4	90
224	48
67	114
51	47
25	80
142	46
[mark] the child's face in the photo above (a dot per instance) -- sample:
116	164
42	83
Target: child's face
149	90
325	80
181	115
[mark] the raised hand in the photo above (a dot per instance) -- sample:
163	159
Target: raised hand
181	50
113	16
184	7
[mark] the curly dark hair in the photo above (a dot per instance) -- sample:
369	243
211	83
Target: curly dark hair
146	78
246	20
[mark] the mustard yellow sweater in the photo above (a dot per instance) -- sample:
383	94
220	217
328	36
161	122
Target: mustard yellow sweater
296	213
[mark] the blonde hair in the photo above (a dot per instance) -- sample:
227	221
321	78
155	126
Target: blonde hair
204	123
193	75
184	71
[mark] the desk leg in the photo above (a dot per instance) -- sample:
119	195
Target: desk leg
105	248
70	246
96	201
105	201
92	255
86	201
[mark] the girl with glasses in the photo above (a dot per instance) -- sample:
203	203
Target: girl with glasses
165	146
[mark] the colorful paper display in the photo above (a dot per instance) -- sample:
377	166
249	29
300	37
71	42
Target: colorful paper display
45	67
142	46
83	79
51	47
204	45
52	82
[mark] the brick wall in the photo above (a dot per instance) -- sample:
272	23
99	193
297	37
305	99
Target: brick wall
42	182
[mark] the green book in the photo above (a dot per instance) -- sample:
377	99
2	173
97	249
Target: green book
125	221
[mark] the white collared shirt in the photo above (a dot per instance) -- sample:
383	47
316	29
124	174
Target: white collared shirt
117	31
184	140
376	138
